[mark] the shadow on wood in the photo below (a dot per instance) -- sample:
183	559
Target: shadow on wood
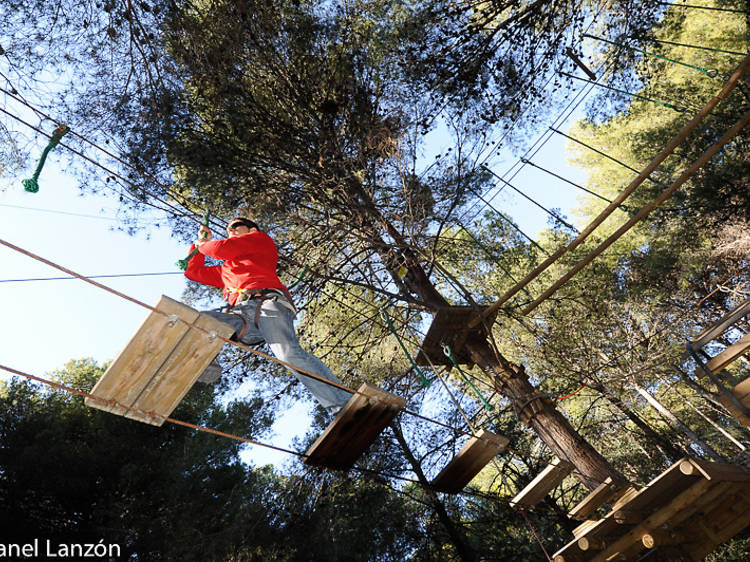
355	428
473	457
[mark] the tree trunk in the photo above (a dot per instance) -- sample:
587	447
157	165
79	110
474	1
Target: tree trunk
465	552
664	411
539	413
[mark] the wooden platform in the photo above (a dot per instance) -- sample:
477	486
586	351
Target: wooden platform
685	512
449	326
605	492
355	428
738	348
473	457
546	480
160	364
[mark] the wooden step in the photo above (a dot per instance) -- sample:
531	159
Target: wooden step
715	330
355	428
543	484
473	457
731	353
606	491
160	363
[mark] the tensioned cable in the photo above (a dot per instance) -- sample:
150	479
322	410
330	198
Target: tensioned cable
91	277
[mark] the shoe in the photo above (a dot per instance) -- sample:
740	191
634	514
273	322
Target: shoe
212	373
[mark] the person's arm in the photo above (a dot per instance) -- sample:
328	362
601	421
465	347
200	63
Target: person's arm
198	271
230	248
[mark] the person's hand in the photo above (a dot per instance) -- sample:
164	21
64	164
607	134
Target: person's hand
204	235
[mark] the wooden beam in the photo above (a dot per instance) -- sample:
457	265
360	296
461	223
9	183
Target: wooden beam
663	196
472	458
540	486
731	353
715	330
681	502
354	429
730	84
606	491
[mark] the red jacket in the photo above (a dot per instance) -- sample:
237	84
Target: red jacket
249	263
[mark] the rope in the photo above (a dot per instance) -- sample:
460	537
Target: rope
31	184
183	264
422	378
677	108
523	512
150	414
449	354
712	73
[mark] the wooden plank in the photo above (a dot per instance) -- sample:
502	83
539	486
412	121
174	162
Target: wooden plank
731	353
540	486
606	491
734	410
717	471
472	458
354	429
134	367
715	330
182	368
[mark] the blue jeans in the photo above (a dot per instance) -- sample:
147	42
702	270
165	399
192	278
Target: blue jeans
276	328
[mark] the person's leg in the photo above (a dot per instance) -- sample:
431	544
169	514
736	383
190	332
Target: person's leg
213	372
277	327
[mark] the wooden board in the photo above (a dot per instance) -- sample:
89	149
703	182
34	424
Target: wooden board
540	486
355	428
449	327
606	491
714	331
160	363
689	509
472	458
731	353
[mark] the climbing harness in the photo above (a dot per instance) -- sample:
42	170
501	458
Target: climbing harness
31	184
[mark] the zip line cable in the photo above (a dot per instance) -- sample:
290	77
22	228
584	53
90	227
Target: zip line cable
57	212
728	10
91	277
174	210
92	161
711	73
677	108
645	173
601	153
553	174
550	213
689	46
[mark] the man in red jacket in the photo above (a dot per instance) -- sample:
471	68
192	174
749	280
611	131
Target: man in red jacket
260	308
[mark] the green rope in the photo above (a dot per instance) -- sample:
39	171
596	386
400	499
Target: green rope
31	184
423	379
712	73
679	109
698	47
182	264
299	277
449	355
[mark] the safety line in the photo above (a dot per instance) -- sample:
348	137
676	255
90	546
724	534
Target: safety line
90	277
150	414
